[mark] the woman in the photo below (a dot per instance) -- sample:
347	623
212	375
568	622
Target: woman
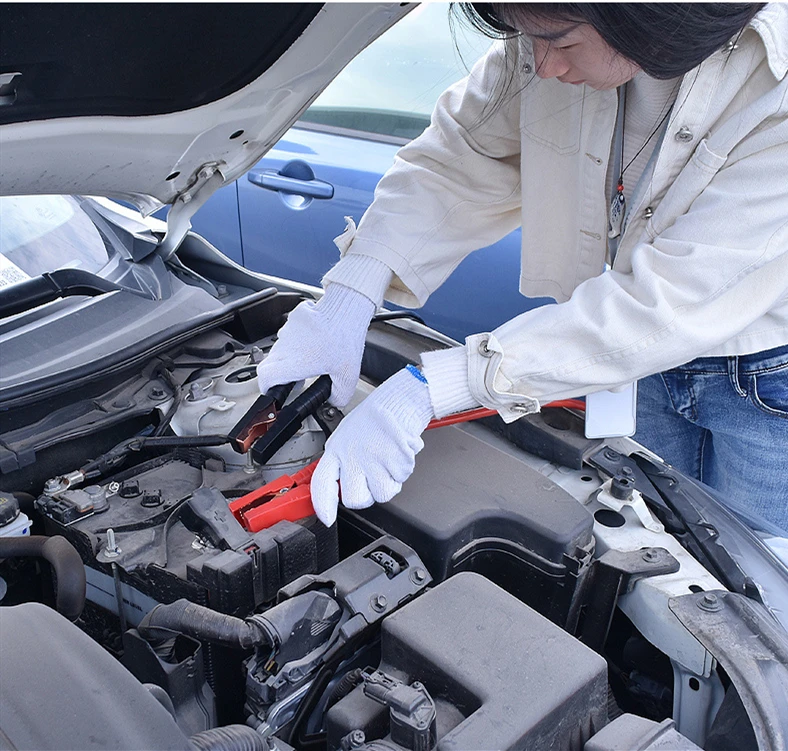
649	137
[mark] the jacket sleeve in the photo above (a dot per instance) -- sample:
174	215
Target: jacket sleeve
452	190
721	266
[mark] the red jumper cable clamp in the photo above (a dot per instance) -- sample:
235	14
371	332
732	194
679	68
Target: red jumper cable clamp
287	498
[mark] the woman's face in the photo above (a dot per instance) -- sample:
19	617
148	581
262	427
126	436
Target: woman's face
575	53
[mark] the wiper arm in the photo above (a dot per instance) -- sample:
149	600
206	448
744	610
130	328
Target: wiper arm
51	286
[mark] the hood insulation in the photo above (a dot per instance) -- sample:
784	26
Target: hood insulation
136	59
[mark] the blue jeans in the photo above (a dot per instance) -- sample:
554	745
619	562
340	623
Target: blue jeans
724	421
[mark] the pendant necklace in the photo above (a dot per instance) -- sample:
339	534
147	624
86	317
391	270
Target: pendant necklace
618	205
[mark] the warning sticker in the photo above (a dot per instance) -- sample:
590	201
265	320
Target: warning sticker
10	273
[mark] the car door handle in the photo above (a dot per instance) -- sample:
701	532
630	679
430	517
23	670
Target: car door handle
294	179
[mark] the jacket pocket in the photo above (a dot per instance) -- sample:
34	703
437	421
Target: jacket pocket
553	118
769	391
690	183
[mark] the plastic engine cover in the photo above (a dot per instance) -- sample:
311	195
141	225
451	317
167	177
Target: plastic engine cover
493	515
59	690
502	676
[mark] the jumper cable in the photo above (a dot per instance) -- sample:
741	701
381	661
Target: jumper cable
289	498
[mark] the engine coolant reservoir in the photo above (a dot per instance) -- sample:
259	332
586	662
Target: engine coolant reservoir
13	523
215	401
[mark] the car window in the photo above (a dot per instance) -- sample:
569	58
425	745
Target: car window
45	233
390	89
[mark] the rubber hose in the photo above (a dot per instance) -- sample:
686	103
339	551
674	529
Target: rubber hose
202	623
230	738
65	561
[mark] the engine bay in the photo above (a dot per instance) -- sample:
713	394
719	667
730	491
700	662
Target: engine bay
512	596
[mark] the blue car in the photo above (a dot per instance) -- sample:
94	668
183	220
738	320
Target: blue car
327	166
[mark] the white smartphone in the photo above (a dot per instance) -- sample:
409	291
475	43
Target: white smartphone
611	414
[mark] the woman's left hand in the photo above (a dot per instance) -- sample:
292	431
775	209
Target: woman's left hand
373	451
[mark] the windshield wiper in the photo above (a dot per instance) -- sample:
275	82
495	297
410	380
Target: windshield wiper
51	286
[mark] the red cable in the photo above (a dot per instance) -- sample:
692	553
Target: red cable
477	414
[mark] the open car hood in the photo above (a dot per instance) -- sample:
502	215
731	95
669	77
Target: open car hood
162	103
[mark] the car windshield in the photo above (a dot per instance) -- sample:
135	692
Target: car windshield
392	86
44	233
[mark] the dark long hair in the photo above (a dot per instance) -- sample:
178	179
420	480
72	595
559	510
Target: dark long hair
665	40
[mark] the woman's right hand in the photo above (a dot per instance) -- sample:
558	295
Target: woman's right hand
322	338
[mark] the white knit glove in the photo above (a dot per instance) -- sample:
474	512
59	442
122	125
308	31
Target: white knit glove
322	338
373	451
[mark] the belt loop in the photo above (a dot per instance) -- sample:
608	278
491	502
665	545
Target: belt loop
733	374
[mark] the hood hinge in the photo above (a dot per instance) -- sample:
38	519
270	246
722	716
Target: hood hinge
206	181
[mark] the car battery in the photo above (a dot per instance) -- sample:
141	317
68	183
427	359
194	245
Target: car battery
173	537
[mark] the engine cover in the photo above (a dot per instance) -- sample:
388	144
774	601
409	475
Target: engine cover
74	694
494	515
502	676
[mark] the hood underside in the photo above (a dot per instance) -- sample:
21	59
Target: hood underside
137	100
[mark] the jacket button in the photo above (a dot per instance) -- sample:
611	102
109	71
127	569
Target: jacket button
731	46
684	134
484	350
648	212
527	68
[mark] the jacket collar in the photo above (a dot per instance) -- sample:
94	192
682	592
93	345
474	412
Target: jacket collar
771	24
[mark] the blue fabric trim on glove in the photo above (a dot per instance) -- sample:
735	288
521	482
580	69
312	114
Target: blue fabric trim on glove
416	373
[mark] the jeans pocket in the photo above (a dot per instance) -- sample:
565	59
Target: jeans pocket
770	391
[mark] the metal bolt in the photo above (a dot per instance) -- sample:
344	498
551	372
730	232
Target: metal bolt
256	355
330	412
52	486
221	290
379	603
113	488
417	685
650	556
611	455
271	415
626	471
357	738
418	575
157	392
249	467
709	602
112	550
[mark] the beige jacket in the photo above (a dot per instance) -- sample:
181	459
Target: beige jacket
701	269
